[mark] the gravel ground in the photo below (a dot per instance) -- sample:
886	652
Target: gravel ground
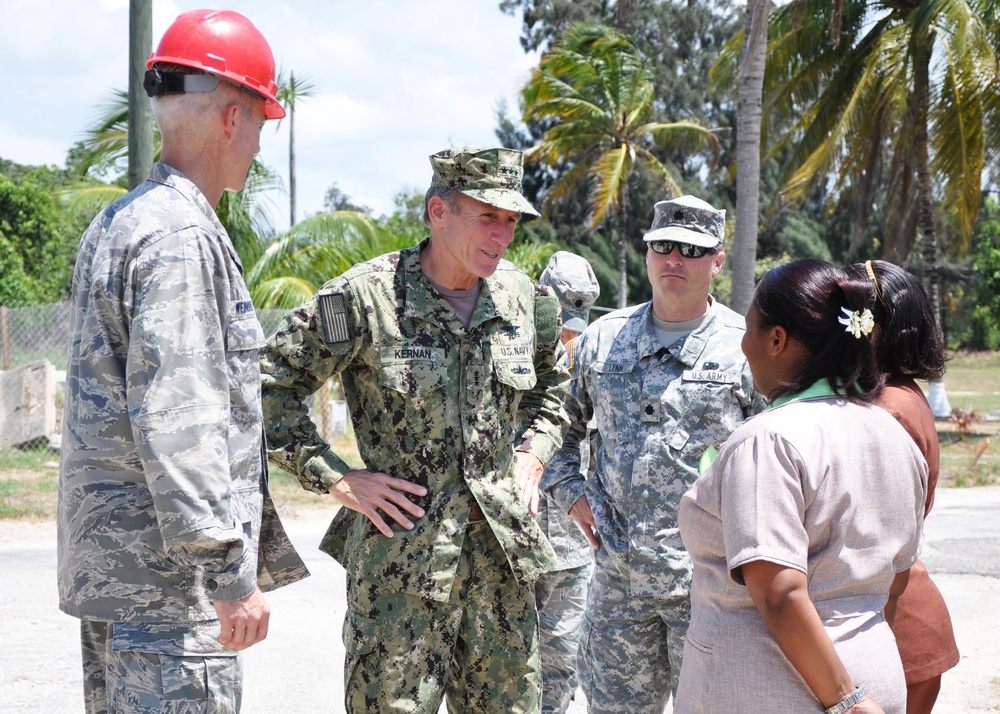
299	667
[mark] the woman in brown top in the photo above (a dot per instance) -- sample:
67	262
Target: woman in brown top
909	346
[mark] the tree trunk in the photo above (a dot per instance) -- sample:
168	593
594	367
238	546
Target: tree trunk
291	154
622	255
919	104
748	121
140	114
624	13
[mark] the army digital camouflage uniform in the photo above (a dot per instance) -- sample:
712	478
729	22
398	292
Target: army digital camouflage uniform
438	404
655	410
162	486
561	596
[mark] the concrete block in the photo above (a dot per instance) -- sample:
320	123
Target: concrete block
27	404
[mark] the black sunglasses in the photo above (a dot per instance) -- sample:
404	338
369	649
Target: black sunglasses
666	247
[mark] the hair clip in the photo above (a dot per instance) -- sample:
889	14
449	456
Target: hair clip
870	269
857	323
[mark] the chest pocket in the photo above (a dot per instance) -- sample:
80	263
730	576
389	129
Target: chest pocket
615	397
244	332
516	373
418	376
244	341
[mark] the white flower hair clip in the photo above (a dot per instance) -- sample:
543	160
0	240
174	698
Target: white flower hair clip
857	323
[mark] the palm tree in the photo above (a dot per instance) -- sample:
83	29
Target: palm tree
883	100
288	94
596	93
748	123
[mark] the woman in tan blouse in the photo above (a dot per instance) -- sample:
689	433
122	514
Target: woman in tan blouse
803	530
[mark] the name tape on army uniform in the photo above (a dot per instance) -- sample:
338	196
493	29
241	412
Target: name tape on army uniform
709	375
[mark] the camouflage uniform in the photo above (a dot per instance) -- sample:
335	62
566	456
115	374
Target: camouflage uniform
655	410
163	485
446	607
562	594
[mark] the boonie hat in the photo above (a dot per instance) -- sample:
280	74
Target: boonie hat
574	283
687	220
488	174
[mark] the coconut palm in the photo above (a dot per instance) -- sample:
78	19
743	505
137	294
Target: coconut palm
883	100
748	125
594	91
289	93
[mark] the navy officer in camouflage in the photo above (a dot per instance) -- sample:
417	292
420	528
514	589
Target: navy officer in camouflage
661	381
166	533
450	360
562	594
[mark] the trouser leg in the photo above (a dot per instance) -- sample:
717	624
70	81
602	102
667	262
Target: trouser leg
560	620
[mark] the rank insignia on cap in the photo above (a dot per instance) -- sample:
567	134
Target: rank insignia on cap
333	314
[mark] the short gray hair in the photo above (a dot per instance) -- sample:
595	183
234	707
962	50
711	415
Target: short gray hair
190	110
448	195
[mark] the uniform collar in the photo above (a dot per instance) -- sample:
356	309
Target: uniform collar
423	302
820	389
687	351
169	176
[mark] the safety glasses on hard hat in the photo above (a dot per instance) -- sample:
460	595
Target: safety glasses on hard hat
666	247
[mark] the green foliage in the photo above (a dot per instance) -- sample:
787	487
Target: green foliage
981	300
841	107
593	91
37	242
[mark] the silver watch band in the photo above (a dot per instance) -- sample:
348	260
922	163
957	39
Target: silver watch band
847	702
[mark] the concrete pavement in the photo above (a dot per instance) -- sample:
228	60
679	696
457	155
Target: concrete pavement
299	667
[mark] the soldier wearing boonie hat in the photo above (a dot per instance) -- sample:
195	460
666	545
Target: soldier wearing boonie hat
561	595
653	386
453	371
687	220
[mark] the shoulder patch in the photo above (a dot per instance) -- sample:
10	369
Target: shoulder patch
333	315
547	313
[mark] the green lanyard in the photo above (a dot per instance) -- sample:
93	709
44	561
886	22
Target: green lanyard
820	389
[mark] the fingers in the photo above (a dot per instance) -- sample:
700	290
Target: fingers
533	498
374	493
242	623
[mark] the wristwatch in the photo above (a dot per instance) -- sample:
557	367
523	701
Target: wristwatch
847	702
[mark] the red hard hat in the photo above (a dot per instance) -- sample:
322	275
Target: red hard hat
224	43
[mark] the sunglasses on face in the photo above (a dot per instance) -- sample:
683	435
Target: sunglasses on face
666	247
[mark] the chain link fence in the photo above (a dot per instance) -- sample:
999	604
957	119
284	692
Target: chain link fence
33	346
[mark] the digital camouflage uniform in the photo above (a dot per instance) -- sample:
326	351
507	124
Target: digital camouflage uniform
561	595
163	483
654	411
447	607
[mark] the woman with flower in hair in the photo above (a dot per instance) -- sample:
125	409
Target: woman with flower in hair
803	529
909	346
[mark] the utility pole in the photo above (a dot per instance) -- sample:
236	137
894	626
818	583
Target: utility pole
140	114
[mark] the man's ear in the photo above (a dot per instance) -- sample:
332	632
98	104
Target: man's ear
229	120
717	262
436	208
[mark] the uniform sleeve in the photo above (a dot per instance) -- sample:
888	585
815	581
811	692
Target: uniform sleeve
542	406
301	355
178	394
564	478
762	505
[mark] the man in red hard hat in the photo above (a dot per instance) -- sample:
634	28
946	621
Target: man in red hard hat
167	534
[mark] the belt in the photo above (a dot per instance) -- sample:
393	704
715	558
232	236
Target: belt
476	513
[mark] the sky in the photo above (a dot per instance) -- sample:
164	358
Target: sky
395	81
